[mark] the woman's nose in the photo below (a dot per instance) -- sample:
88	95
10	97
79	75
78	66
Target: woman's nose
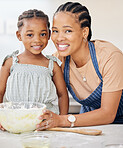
60	37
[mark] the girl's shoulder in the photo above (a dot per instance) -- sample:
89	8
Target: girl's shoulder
54	59
9	57
54	64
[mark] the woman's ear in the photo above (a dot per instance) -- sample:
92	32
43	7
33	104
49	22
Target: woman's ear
85	32
18	35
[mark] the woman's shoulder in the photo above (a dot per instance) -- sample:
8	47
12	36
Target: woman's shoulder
105	50
106	46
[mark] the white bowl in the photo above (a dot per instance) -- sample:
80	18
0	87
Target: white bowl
35	140
18	117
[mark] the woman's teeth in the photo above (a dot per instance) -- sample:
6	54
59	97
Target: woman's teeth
63	46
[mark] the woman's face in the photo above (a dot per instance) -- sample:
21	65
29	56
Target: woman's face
66	33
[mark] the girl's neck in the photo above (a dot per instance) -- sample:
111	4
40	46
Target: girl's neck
28	58
81	57
31	55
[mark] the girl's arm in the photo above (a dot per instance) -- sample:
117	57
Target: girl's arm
4	73
61	90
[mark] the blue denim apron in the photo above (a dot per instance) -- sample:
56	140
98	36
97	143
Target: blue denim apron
93	101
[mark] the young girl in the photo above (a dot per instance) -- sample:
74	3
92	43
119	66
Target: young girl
31	76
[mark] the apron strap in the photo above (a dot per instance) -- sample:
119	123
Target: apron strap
94	59
66	75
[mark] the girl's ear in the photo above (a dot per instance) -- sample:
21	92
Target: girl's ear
18	35
49	34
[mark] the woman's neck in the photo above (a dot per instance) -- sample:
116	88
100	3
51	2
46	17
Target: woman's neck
81	57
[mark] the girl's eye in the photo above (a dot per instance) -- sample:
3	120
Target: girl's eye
68	31
29	35
43	34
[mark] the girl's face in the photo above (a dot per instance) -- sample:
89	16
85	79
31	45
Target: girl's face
34	34
66	33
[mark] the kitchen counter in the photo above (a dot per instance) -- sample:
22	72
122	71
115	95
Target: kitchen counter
111	134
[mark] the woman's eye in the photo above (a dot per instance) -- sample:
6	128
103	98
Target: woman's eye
68	31
43	34
30	35
54	31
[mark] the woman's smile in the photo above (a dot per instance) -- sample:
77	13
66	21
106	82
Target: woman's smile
66	34
62	47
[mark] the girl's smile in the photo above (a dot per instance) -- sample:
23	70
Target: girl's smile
37	47
34	34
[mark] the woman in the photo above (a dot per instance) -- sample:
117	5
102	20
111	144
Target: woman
92	70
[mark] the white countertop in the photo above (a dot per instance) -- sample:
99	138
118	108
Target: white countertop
111	134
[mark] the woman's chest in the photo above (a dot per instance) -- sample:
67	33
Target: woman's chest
84	80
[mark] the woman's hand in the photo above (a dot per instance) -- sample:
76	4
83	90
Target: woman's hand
49	120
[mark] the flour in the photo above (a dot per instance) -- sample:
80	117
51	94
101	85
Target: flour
18	119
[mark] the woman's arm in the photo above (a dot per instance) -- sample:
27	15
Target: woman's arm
104	115
61	90
4	73
109	100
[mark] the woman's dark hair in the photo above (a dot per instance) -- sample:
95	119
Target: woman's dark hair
32	14
83	14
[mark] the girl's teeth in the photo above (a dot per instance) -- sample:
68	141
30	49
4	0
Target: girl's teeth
36	47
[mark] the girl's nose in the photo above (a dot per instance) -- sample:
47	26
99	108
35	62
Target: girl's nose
37	38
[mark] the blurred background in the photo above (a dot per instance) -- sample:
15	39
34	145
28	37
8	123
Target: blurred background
107	23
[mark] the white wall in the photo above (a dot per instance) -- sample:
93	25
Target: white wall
107	21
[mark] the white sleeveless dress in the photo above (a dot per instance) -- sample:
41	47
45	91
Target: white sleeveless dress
33	83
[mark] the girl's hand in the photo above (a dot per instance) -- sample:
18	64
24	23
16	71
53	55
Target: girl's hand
49	120
3	129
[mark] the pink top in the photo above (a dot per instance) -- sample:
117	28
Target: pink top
110	62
